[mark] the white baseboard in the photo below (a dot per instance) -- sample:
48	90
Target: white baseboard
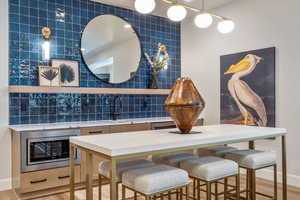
267	174
5	184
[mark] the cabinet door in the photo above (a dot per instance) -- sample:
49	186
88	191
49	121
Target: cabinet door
40	180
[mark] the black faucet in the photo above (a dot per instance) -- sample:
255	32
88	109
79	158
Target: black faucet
113	107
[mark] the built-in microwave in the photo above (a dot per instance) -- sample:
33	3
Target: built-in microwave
46	149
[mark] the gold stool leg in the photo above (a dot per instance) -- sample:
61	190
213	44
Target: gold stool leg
169	195
123	192
135	195
225	188
247	184
198	189
208	190
237	185
181	194
100	186
194	188
275	182
216	191
187	192
253	185
161	196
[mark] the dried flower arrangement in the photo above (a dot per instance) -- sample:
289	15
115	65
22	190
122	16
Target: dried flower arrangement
158	63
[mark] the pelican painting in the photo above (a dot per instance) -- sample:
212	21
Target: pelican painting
246	82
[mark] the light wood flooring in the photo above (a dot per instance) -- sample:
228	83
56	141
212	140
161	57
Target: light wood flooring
262	186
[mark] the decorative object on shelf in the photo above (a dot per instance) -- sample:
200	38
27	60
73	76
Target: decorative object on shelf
158	63
69	70
248	88
49	76
177	12
46	33
184	104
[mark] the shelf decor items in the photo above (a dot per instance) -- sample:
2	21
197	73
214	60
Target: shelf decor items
49	76
158	63
69	70
184	104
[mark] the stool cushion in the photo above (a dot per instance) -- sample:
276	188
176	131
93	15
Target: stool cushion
154	179
252	159
173	159
122	165
215	151
210	168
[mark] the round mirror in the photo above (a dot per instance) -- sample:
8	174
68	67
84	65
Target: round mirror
111	49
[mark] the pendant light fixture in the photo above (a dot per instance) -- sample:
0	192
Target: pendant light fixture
204	19
225	26
178	11
144	6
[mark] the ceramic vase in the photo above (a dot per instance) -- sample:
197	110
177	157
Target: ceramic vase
184	104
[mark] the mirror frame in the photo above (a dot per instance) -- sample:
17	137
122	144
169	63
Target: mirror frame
141	49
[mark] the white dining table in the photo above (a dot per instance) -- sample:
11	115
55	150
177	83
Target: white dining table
120	146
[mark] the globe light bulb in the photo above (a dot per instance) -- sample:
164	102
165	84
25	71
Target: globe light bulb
144	6
203	20
176	13
226	26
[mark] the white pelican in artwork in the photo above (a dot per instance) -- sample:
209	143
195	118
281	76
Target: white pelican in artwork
245	98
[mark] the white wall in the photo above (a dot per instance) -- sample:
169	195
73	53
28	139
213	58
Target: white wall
259	24
5	147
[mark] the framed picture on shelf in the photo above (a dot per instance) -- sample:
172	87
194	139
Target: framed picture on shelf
49	76
69	72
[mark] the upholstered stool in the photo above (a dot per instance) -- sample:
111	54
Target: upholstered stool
122	166
218	151
156	180
210	170
253	160
173	159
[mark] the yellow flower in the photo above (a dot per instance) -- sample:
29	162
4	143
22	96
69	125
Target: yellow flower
162	48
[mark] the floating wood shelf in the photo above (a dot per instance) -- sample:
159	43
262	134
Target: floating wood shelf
83	90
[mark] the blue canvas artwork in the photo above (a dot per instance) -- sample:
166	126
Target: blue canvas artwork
248	88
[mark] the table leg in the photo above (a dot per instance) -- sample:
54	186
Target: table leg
89	176
284	170
114	180
251	145
72	172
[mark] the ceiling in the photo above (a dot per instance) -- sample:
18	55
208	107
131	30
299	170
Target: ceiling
161	7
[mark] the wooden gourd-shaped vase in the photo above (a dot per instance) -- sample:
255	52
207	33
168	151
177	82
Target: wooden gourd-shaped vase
184	104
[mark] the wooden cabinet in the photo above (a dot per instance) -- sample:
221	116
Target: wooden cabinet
130	128
39	180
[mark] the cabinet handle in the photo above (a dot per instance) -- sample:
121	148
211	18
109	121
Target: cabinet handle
96	132
63	177
38	181
164	127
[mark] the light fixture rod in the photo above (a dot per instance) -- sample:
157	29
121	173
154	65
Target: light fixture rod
195	9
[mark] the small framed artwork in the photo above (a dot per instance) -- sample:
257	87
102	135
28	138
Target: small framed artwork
69	72
49	76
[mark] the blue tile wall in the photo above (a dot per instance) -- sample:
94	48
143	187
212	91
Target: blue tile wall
50	108
66	19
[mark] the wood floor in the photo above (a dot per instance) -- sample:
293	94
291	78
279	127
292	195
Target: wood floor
263	186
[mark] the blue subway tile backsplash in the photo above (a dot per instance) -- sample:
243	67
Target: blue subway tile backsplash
51	108
67	19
